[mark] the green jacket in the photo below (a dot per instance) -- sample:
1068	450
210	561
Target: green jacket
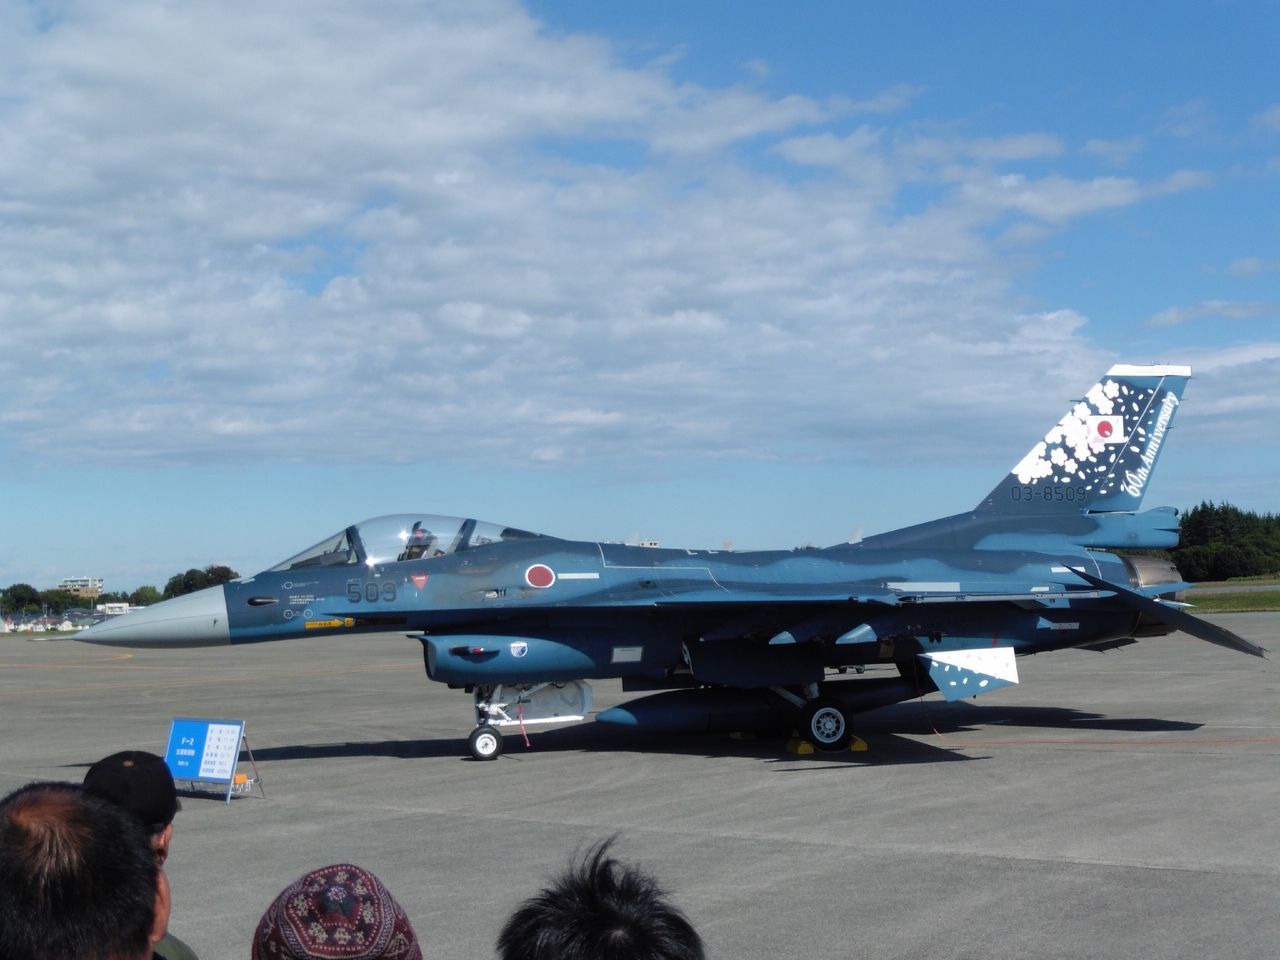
171	948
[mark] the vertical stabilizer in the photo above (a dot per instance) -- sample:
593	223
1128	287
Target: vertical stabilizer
1101	454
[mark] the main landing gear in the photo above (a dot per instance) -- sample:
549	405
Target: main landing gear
824	721
824	724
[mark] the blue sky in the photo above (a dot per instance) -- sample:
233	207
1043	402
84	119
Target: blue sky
708	273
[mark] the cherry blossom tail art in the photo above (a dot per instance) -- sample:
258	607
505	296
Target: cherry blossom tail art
1100	456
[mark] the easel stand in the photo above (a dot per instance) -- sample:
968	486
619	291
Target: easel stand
204	752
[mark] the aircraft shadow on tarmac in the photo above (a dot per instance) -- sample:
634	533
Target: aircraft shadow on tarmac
889	733
916	719
585	738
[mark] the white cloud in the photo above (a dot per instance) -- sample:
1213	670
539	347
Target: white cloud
1116	152
1188	120
319	231
1027	146
860	147
882	164
1056	199
1236	402
1252	266
891	100
1268	119
703	120
1216	309
1244	355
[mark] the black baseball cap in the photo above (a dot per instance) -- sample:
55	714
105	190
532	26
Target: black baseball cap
138	781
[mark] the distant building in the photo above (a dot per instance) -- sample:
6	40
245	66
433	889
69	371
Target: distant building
82	586
112	609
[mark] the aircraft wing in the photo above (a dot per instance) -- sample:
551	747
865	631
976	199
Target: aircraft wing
874	593
794	613
1174	616
785	594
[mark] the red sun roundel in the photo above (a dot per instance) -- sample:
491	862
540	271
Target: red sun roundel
540	576
1104	428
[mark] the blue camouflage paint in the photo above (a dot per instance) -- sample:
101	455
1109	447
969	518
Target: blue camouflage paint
1027	570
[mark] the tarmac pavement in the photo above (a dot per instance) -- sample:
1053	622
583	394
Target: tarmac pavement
1116	805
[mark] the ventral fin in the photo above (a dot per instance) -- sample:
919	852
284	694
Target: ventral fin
960	674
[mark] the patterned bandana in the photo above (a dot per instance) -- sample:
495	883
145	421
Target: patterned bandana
340	912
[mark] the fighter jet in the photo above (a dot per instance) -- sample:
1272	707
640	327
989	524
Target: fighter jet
727	640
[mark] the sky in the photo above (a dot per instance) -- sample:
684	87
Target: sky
723	273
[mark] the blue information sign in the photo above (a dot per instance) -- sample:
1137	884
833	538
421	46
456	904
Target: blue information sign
204	749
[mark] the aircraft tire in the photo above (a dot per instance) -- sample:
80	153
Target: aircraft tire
825	724
485	743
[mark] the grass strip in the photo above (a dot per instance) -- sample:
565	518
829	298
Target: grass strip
1246	601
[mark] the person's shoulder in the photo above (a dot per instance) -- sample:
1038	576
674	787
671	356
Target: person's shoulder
171	948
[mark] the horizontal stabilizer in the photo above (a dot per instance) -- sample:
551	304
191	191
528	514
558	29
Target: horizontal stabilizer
1175	617
966	673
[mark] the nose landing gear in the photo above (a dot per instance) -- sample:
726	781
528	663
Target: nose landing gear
485	742
521	705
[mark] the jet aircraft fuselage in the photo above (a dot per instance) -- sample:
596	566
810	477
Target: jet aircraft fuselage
524	620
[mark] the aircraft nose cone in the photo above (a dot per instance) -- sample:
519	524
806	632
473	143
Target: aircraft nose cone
195	620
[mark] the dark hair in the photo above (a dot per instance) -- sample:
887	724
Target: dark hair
599	909
77	876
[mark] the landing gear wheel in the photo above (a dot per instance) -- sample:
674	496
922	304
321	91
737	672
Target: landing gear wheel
485	743
824	724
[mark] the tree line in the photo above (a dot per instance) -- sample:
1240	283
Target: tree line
22	599
1219	541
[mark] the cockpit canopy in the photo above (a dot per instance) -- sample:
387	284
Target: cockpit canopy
401	537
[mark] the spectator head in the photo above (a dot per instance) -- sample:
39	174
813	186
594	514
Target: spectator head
142	784
599	909
339	912
78	879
